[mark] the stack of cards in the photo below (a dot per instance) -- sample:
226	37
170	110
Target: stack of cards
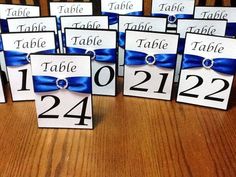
178	42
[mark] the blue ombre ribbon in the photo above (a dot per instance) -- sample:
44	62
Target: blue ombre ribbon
172	19
4	25
122	39
222	65
231	29
74	84
113	18
160	60
181	45
58	23
16	58
100	55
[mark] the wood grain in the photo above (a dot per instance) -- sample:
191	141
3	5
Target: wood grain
133	137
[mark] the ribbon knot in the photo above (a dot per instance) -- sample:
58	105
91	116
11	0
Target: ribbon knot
100	55
172	18
16	58
74	84
113	18
222	65
160	60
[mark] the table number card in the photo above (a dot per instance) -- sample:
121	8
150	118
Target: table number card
208	69
199	26
150	60
59	9
83	22
114	8
34	24
2	96
101	46
139	24
227	13
173	10
17	47
62	86
13	11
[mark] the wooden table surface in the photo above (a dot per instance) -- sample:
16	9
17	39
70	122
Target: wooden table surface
133	137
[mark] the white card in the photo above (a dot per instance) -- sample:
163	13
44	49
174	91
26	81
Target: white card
140	24
17	47
208	69
227	13
14	11
199	26
101	45
59	9
173	10
83	22
62	85
2	96
149	64
114	8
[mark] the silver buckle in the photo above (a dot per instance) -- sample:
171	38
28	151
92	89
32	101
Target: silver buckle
150	57
58	84
89	52
206	66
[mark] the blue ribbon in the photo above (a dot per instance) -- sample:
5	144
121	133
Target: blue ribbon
113	18
122	39
222	65
74	84
4	25
181	45
63	38
1	46
15	58
100	55
231	29
161	60
176	16
58	23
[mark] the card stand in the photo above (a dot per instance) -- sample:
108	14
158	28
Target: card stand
113	9
34	24
82	22
139	24
150	60
59	9
208	69
17	50
100	45
62	86
197	26
173	10
220	13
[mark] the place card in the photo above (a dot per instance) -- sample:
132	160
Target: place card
10	11
150	60
139	24
227	13
173	10
199	26
101	46
208	69
114	8
17	47
2	95
83	22
59	9
34	24
62	86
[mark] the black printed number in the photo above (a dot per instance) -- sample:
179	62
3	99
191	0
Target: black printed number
82	116
148	76
200	82
24	79
96	77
